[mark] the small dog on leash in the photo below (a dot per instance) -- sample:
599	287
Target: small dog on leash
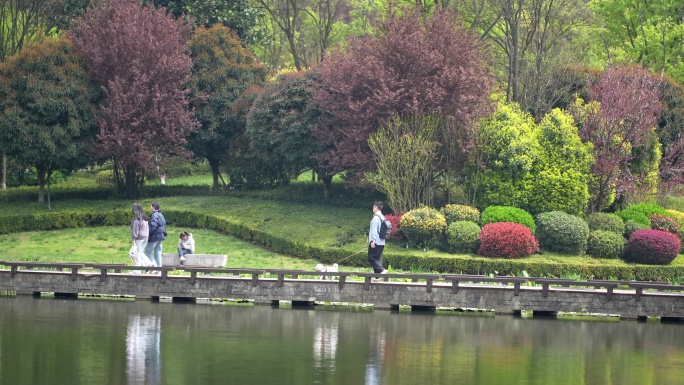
326	269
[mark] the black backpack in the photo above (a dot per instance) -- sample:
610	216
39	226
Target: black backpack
385	228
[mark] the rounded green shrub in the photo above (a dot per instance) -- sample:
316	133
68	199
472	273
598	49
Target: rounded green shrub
632	226
455	213
423	226
105	178
652	247
605	222
561	232
494	214
462	237
606	244
634	216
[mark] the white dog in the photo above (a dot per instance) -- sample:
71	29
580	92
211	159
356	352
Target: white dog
326	269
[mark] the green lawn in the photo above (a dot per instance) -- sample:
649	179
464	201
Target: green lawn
111	244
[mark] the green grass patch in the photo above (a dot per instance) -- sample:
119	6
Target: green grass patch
311	232
111	244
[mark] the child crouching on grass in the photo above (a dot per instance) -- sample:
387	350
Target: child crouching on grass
186	245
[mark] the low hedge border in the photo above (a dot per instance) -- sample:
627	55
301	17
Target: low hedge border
404	261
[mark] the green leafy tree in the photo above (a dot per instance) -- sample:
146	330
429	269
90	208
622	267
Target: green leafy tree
222	70
279	124
47	108
538	168
405	154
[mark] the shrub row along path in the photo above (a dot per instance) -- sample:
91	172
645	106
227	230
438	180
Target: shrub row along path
329	234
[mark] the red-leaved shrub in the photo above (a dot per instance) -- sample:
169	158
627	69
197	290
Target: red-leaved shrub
665	223
396	228
508	240
653	247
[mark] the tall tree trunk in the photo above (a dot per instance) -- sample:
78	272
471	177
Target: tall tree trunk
293	50
49	175
41	170
327	181
3	172
214	164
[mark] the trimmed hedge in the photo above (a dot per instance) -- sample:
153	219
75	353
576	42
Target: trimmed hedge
640	212
423	226
494	214
329	255
462	237
455	213
507	240
605	222
653	247
606	244
562	232
632	226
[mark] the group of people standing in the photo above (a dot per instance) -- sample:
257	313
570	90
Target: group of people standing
148	238
148	235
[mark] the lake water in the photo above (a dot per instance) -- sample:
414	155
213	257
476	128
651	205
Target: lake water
93	341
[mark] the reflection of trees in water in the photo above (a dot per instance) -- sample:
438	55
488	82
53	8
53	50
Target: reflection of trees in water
325	339
143	356
376	354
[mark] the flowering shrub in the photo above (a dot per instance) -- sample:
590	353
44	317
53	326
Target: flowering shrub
653	247
605	244
493	214
508	240
423	226
462	237
665	223
455	213
678	215
561	232
396	232
605	222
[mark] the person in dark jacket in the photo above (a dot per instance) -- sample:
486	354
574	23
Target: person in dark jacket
157	235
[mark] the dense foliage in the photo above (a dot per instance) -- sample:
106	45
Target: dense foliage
493	214
222	69
47	107
606	244
665	223
537	167
416	65
605	222
462	237
455	213
561	232
653	247
139	57
632	226
507	240
423	226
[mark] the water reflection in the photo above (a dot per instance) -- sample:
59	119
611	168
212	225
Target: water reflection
376	355
46	341
325	342
143	356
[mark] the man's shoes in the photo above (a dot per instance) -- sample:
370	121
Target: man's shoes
384	272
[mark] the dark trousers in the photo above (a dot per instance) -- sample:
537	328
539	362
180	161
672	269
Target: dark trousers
375	257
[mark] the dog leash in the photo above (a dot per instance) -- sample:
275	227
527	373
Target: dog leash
344	259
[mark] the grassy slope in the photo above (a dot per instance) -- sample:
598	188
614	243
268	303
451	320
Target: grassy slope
328	226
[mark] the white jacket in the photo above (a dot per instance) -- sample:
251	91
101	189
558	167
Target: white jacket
188	243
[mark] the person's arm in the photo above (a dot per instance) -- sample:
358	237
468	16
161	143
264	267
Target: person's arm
154	224
373	235
191	244
135	230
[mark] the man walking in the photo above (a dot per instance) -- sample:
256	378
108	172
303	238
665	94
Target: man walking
376	245
156	236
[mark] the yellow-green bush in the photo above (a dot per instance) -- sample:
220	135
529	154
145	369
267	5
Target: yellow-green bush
456	213
423	226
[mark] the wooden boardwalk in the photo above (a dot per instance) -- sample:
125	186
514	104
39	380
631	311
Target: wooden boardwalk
507	295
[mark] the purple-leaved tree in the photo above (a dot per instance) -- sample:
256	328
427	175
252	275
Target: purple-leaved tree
138	54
